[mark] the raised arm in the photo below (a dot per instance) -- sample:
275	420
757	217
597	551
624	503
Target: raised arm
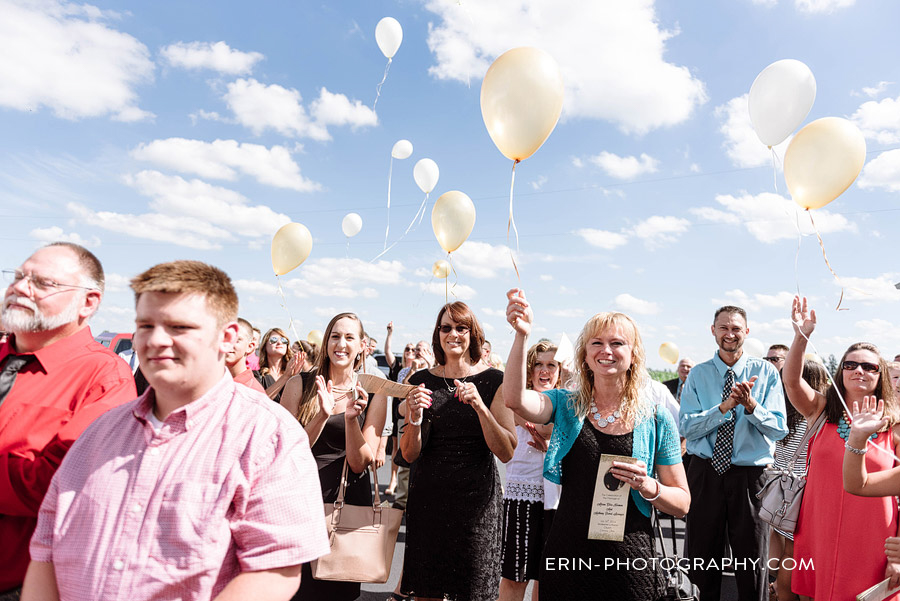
533	406
801	395
293	369
867	420
388	355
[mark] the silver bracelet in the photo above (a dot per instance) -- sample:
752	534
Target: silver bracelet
855	451
658	492
418	423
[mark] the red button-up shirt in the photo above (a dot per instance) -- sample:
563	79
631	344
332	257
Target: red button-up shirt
227	484
54	398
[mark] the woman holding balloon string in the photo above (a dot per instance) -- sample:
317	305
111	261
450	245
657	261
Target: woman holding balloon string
342	425
456	424
609	391
839	537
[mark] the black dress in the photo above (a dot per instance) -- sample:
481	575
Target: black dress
568	534
454	513
329	453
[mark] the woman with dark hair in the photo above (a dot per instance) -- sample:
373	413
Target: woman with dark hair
781	543
456	425
608	411
839	540
275	355
341	424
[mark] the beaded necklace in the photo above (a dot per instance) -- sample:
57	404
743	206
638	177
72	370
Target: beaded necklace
843	428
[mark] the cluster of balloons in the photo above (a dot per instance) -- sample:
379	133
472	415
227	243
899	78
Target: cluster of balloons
826	156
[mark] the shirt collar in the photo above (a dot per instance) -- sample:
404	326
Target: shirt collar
186	416
722	368
53	355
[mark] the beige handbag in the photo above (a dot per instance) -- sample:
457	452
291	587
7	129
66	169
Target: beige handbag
362	539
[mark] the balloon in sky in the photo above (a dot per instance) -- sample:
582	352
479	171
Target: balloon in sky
452	219
521	100
780	99
402	149
314	337
351	225
426	174
291	246
440	269
388	35
754	347
822	160
668	352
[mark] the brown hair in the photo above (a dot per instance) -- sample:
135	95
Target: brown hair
92	269
264	351
309	405
246	325
730	309
460	313
631	408
833	408
541	346
191	277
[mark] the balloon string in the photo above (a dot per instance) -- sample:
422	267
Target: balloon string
827	264
797	255
511	223
387	229
285	307
409	227
383	79
455	276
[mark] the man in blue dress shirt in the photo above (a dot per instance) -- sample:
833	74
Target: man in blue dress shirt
732	412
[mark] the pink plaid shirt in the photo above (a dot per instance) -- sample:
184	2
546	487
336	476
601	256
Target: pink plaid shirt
227	485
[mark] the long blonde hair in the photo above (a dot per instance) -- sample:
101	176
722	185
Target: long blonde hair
583	380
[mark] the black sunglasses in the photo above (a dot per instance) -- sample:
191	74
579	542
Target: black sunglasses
851	365
774	359
459	329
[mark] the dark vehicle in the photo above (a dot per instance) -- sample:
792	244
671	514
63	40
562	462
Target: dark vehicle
381	360
116	342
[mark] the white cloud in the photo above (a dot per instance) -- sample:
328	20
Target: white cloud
780	301
539	182
222	159
658	231
262	107
632	304
56	234
456	291
217	56
116	282
64	57
742	145
621	76
546	277
353	272
879	120
482	260
882	172
874	91
770	217
628	167
822	6
568	313
255	287
879	289
493	312
601	238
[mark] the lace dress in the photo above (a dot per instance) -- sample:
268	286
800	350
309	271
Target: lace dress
568	534
454	511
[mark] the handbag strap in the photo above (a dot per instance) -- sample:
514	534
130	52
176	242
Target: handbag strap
811	431
339	502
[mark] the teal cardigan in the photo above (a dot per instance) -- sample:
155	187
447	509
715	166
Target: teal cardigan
655	440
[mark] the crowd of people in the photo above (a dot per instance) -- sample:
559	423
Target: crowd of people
199	468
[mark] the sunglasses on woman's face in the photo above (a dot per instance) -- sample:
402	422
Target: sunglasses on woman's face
461	330
852	365
408	349
278	340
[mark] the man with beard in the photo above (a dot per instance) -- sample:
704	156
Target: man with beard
54	381
732	412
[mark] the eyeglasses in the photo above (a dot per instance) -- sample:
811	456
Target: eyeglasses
278	340
851	365
461	330
774	359
14	276
409	349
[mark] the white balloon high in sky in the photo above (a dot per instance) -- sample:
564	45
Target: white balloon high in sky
388	36
780	99
402	149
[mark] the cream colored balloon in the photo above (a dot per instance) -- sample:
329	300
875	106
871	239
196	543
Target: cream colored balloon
668	352
291	246
452	219
314	337
823	160
440	269
521	100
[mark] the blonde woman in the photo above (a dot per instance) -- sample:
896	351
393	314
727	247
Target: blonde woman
606	412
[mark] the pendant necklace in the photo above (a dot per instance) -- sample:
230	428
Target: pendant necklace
602	422
451	388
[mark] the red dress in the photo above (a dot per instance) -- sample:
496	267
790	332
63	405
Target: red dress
841	534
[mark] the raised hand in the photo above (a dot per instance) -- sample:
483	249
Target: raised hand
325	396
468	393
356	406
537	439
802	317
518	312
390	327
868	419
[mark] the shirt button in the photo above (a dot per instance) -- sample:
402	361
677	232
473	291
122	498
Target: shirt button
118	565
154	451
136	507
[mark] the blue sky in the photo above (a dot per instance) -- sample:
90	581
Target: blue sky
165	130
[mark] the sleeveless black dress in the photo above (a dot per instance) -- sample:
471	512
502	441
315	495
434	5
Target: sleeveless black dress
454	514
641	580
329	453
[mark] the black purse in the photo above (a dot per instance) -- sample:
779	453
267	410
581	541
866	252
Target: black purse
678	586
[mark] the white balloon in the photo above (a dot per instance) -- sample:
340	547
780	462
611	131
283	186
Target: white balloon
426	174
402	149
780	99
754	347
351	225
388	35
